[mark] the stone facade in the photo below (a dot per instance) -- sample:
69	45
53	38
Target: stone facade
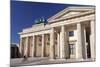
69	34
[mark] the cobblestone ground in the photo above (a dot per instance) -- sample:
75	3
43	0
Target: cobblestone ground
41	61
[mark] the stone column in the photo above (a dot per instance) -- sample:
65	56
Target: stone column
42	53
84	50
33	44
20	46
67	55
92	39
52	44
26	46
85	43
29	47
24	43
58	45
62	42
79	41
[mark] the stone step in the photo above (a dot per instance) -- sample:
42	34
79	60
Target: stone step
19	61
34	59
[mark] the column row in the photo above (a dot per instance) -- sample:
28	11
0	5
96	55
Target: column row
28	48
62	51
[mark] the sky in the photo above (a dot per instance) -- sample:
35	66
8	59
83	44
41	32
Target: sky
23	15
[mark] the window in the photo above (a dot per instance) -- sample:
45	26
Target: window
71	33
71	49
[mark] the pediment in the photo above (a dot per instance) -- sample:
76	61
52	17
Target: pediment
69	11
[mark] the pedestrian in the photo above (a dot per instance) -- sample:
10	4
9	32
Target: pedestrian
25	58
